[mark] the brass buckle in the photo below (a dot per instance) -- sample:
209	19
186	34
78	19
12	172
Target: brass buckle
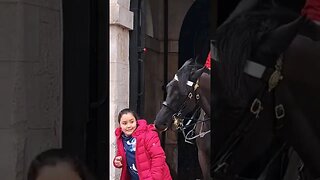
276	75
274	79
279	111
177	121
256	107
197	96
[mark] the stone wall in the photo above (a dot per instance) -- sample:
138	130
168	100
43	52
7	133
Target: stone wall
121	21
31	82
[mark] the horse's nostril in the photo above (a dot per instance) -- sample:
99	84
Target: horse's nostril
160	127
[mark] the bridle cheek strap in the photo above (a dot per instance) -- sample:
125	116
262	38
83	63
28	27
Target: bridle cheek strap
189	83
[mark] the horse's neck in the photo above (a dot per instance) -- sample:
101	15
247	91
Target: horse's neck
204	92
206	107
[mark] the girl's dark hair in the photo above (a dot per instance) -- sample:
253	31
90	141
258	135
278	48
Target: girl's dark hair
52	157
126	111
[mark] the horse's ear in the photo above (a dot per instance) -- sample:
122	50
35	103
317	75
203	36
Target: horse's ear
197	74
187	63
213	50
196	59
310	29
243	5
185	69
279	39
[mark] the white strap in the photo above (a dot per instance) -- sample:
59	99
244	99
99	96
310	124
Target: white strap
176	77
254	69
189	83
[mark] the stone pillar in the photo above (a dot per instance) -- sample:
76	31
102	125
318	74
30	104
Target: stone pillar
31	82
121	21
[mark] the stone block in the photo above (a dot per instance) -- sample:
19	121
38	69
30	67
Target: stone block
119	44
119	72
124	3
119	84
120	16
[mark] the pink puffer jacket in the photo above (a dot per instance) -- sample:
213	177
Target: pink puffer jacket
150	157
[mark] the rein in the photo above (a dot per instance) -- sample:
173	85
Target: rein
180	126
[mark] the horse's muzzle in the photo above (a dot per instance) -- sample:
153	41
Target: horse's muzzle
160	127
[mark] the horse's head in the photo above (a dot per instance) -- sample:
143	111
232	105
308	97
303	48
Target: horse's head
252	40
180	98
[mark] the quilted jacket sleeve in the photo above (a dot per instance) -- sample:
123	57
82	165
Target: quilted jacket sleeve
115	164
156	153
118	154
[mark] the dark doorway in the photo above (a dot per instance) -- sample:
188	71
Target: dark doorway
193	42
136	57
85	92
195	32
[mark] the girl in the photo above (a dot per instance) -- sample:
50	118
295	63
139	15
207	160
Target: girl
139	153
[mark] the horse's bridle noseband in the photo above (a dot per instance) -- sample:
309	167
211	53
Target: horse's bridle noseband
178	116
165	104
177	112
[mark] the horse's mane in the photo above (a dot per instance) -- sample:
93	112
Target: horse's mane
238	40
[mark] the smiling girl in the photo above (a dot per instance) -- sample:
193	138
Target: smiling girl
139	153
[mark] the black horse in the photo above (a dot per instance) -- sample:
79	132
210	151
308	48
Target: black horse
188	90
265	95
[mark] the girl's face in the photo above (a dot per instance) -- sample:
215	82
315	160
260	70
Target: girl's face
128	124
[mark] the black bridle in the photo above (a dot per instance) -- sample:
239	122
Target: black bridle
178	116
194	85
271	76
165	104
177	112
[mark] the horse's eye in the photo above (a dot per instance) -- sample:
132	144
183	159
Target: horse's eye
176	93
